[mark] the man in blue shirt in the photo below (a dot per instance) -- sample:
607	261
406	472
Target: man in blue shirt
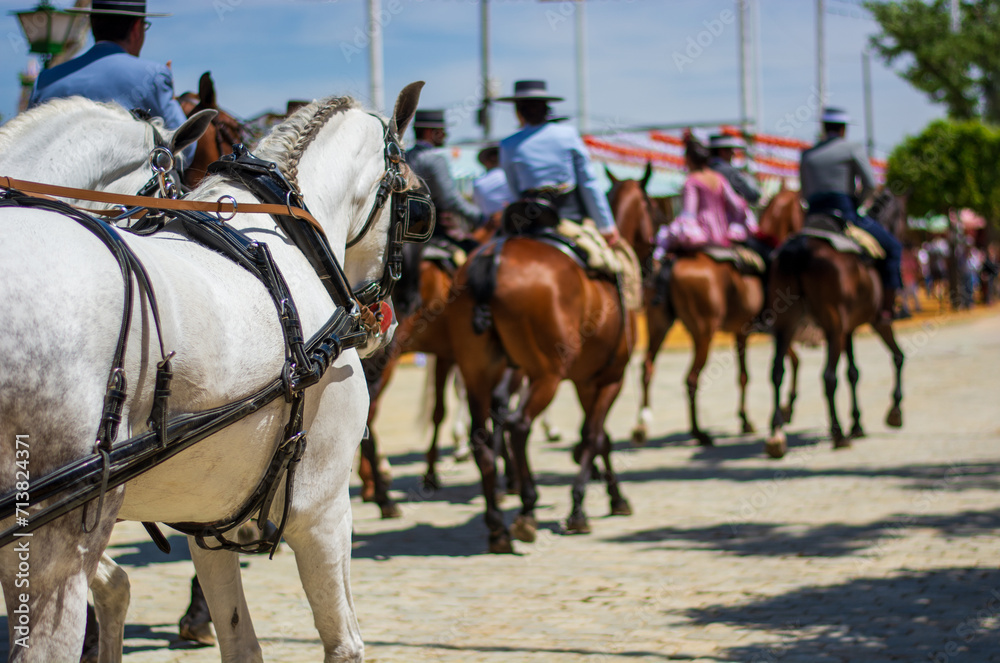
551	155
112	71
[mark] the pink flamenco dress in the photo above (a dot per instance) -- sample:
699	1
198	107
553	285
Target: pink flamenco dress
710	217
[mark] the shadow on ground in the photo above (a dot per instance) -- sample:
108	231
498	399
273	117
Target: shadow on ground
777	540
940	615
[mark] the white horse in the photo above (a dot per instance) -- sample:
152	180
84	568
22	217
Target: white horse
62	308
85	144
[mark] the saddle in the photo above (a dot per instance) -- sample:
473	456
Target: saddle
842	235
745	260
445	252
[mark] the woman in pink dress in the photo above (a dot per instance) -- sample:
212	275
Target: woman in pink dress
713	214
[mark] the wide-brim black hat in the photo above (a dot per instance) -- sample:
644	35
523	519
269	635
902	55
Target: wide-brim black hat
536	90
429	119
135	8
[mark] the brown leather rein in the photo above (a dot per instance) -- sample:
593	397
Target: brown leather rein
224	206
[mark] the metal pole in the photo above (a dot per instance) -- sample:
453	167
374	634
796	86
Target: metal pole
484	29
744	58
758	70
376	77
956	20
581	67
866	71
820	53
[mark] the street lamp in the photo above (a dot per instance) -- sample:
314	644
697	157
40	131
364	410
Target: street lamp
47	29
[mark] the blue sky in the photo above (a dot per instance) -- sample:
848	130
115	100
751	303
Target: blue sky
262	53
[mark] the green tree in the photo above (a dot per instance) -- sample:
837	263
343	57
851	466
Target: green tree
958	69
948	166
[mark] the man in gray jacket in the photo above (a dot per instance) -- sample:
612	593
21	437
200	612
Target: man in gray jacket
456	216
722	147
830	173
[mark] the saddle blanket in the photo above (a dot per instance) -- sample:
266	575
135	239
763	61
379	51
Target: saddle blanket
620	261
852	240
745	260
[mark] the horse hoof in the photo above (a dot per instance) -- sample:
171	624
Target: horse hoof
748	428
621	507
200	631
894	418
776	446
841	442
639	437
786	414
704	439
553	435
578	453
857	432
462	454
390	510
577	525
501	545
525	528
431	482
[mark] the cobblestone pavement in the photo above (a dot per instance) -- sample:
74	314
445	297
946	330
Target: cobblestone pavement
884	552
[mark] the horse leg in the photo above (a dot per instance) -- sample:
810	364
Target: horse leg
460	425
853	375
657	326
51	571
777	445
619	505
834	348
540	394
110	586
441	369
380	492
322	546
894	418
500	416
701	346
218	572
793	359
595	401
741	355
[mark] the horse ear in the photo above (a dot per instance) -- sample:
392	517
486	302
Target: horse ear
206	91
611	176
192	129
406	106
647	175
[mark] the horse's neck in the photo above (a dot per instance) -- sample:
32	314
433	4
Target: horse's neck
107	155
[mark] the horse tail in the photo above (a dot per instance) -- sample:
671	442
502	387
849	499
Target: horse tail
793	257
482	280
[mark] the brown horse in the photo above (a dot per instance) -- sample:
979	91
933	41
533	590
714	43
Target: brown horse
220	136
708	297
839	292
422	328
522	302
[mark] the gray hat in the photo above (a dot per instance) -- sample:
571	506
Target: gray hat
429	119
530	90
120	7
725	141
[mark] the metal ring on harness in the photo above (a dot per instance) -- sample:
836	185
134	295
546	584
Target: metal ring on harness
218	214
155	156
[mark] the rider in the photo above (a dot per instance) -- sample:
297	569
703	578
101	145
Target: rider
548	154
490	191
829	172
112	71
456	216
722	148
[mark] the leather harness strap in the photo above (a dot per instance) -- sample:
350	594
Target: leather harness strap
218	207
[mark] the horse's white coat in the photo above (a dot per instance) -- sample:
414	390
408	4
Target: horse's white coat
62	298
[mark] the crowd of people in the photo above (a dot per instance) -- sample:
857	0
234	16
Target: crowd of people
925	269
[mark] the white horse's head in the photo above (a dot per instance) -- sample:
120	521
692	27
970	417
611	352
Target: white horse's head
86	144
348	165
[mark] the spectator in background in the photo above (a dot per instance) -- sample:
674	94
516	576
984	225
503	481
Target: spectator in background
490	191
910	271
